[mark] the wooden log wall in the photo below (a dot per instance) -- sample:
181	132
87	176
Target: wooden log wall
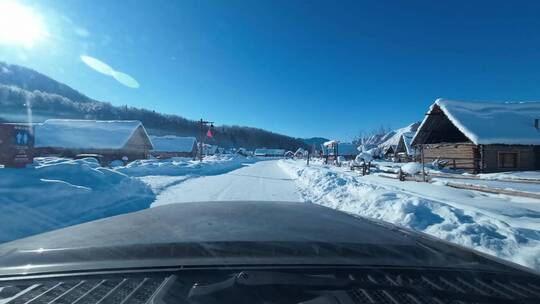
460	156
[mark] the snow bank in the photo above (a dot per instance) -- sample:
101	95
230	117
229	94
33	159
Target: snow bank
58	192
527	175
176	166
493	184
495	225
412	168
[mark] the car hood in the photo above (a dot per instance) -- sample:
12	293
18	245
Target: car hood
234	233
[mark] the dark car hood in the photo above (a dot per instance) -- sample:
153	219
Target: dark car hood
233	233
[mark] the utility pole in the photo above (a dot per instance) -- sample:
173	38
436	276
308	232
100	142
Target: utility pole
202	125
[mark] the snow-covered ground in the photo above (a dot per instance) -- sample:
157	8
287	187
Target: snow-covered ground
57	192
527	175
508	227
177	166
262	181
493	184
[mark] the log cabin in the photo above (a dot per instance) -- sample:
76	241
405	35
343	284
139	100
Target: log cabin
481	137
173	146
405	152
110	140
390	141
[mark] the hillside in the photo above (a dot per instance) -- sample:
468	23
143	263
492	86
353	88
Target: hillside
24	91
28	79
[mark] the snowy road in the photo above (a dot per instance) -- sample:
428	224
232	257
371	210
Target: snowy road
264	180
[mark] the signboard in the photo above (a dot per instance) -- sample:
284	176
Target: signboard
16	145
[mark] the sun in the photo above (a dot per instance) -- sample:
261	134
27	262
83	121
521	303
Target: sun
20	25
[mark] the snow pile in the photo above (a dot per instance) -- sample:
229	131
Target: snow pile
363	157
412	168
493	123
57	192
88	134
176	166
498	225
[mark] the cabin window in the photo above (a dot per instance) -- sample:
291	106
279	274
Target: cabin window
508	160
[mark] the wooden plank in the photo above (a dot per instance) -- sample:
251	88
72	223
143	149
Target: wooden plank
494	190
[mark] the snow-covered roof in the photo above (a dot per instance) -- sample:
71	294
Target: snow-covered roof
86	134
300	151
391	139
330	143
407	140
493	123
171	143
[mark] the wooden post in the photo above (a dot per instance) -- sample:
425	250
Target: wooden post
481	169
202	124
336	162
200	138
423	163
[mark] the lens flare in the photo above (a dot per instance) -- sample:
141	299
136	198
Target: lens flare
20	25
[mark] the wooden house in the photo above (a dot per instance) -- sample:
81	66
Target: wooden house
481	137
173	146
390	141
289	154
389	151
405	152
110	140
300	153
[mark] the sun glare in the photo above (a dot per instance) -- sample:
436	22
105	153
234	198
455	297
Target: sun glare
20	25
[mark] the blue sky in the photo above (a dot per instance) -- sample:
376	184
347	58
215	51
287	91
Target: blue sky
302	68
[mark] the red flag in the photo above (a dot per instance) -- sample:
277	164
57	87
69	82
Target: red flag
209	133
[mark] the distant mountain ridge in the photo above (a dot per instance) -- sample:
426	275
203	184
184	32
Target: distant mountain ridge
31	80
24	91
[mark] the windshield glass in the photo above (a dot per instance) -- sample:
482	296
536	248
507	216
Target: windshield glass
414	116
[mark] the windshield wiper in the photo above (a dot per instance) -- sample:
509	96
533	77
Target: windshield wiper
249	285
